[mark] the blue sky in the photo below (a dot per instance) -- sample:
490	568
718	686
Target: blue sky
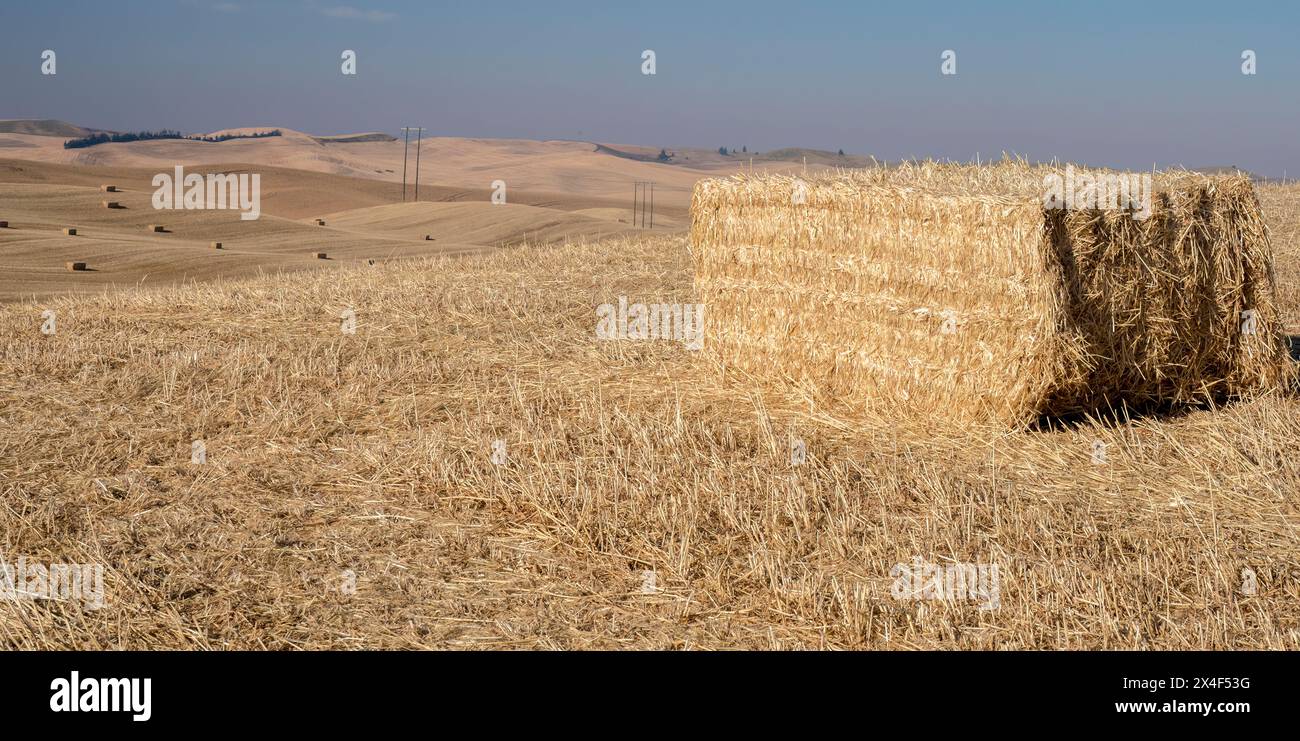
1124	84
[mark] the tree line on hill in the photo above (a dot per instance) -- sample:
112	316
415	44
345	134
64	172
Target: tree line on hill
139	136
745	149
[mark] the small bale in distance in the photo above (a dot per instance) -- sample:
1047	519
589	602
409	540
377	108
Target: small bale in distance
320	222
155	227
4	225
75	266
215	245
319	255
70	231
110	204
108	188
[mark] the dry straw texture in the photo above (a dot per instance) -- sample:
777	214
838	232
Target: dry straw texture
370	452
948	291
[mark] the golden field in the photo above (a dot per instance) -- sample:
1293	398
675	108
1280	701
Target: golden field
369	455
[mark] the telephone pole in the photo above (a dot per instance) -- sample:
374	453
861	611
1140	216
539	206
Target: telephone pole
419	134
643	190
406	130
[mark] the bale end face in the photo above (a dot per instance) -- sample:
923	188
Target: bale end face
75	265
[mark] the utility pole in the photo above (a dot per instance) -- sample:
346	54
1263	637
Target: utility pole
406	130
643	191
419	134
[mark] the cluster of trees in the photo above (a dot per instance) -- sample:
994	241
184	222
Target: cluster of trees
727	152
227	137
139	136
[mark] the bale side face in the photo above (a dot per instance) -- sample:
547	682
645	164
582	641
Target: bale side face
896	301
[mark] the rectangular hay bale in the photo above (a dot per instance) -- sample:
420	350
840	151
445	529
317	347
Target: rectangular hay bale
70	231
155	227
108	188
215	245
75	265
110	204
952	292
319	255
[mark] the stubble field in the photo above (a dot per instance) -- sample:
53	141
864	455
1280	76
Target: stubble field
350	499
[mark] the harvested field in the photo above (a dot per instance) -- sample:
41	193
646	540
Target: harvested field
370	456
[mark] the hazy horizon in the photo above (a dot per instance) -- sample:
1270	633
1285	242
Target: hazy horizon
1163	86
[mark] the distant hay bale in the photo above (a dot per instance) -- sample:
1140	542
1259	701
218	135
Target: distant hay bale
428	237
952	292
319	255
156	227
215	245
75	265
110	204
4	225
108	188
320	222
70	231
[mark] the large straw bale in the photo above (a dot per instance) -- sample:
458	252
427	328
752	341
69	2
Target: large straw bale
952	292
